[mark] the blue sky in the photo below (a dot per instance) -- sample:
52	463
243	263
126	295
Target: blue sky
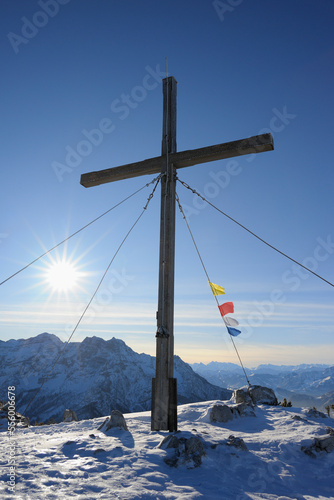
72	67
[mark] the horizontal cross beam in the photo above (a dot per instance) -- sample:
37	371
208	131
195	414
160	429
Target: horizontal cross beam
255	144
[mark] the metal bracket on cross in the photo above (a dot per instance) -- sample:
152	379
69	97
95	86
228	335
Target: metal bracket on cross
162	333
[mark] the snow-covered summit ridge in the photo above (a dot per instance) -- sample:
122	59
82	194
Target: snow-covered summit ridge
76	460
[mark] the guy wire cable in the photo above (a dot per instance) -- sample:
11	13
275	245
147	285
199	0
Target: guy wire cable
253	234
206	273
95	292
79	230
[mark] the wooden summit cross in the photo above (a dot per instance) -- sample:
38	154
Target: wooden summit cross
164	395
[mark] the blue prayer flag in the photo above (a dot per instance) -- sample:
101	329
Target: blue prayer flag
233	331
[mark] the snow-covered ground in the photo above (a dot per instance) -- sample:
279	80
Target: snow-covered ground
76	460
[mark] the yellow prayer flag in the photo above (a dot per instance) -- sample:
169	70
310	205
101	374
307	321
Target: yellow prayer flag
216	289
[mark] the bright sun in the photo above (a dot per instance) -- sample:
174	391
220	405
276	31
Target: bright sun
62	276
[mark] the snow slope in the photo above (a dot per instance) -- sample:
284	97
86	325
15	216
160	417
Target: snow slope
75	460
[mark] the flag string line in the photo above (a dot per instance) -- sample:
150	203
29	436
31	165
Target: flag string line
207	275
79	230
253	234
95	292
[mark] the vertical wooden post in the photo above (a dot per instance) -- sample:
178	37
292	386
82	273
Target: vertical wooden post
164	391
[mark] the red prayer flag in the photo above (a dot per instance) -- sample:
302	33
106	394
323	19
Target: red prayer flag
226	308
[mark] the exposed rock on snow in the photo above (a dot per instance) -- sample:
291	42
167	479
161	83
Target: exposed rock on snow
221	413
298	417
312	412
242	395
20	420
255	394
325	443
225	412
321	443
184	449
70	416
232	441
116	419
263	395
236	442
244	410
99	450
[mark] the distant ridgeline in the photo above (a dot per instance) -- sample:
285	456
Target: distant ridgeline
91	377
304	385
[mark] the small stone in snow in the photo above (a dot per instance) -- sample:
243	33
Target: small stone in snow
221	413
99	450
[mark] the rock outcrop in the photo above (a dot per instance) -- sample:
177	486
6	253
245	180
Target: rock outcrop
70	416
321	443
255	394
221	413
183	449
116	420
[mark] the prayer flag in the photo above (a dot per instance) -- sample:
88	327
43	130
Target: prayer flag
230	321
216	289
233	331
226	308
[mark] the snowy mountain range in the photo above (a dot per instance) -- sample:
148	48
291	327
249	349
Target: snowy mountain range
303	385
91	377
94	376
